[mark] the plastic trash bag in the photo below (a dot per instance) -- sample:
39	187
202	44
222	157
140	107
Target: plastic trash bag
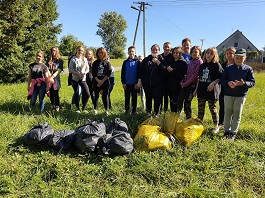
169	121
150	138
62	139
188	130
151	121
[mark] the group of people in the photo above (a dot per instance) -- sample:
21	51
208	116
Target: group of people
184	72
171	78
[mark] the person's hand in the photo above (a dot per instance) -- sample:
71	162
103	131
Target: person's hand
239	82
81	75
47	89
210	87
155	60
51	80
231	84
100	82
138	85
169	69
124	86
194	93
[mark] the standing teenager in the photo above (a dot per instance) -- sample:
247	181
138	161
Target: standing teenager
55	65
186	45
79	68
89	76
101	71
38	81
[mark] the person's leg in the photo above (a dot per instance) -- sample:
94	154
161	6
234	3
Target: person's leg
85	93
142	95
237	112
201	108
56	98
148	99
180	100
134	98
42	92
221	108
34	97
214	112
157	95
52	96
76	93
127	98
96	92
105	97
228	104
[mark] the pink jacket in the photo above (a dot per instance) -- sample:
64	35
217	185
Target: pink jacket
37	81
192	72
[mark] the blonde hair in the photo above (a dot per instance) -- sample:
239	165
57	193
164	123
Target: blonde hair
231	49
92	55
83	58
213	51
41	52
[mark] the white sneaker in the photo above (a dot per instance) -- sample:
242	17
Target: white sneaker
106	113
96	112
216	130
78	111
85	111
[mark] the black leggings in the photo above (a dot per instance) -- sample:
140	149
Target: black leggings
54	97
105	94
85	93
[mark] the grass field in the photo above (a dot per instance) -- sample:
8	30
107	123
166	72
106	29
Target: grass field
210	167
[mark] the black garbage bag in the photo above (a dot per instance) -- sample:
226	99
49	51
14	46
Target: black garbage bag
117	143
40	133
117	125
87	136
62	139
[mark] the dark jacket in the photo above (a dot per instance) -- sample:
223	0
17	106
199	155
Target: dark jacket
232	73
151	73
179	71
101	69
130	71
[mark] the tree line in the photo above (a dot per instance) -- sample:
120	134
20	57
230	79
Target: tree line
27	26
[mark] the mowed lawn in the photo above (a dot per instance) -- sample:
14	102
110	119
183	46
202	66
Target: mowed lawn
210	167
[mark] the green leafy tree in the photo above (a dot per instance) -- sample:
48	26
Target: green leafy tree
252	55
68	45
111	29
26	26
222	58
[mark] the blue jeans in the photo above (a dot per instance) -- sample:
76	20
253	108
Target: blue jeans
38	90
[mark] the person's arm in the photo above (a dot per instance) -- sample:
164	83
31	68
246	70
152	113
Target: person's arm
29	78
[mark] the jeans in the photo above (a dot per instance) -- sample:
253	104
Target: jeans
38	90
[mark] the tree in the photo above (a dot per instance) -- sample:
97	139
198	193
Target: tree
251	55
26	26
111	30
68	45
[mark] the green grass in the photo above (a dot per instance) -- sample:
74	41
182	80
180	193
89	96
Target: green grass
210	167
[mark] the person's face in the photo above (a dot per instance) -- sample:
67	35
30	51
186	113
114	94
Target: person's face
140	58
186	47
209	56
54	51
229	55
80	51
155	50
131	52
177	54
89	55
39	58
195	54
167	48
239	60
100	55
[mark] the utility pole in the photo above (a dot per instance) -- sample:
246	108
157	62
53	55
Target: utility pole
142	9
202	42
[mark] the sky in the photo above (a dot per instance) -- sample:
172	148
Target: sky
207	23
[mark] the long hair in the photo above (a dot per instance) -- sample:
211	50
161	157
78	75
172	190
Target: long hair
92	55
104	52
83	58
56	57
214	52
177	49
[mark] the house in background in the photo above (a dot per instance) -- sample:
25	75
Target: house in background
238	40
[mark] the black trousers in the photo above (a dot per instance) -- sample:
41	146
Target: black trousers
174	92
85	93
54	97
130	92
153	92
105	94
91	90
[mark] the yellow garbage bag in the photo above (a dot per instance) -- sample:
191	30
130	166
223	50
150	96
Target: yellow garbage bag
169	121
188	130
150	138
151	121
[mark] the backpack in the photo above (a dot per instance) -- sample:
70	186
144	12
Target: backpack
87	136
40	133
62	139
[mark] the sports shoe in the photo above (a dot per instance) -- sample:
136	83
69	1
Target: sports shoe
231	137
106	113
57	108
216	130
96	112
78	111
